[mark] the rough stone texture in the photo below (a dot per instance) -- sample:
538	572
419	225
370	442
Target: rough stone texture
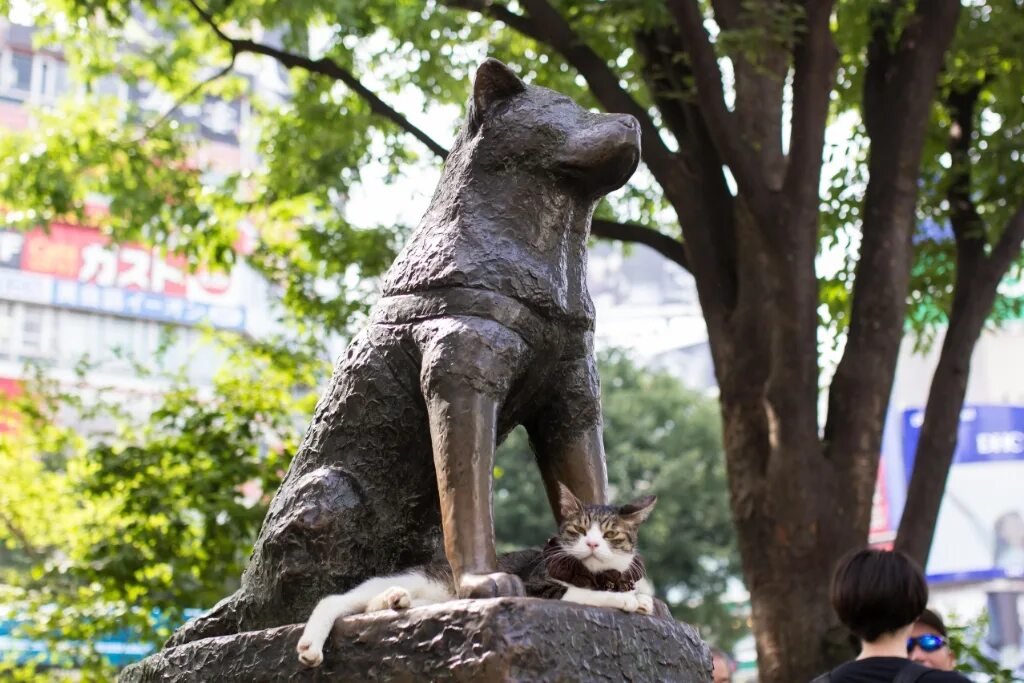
475	640
485	323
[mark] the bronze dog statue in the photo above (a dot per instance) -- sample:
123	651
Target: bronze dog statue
485	322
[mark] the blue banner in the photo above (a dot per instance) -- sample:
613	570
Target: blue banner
986	434
148	305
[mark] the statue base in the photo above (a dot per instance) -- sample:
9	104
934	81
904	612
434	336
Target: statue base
503	639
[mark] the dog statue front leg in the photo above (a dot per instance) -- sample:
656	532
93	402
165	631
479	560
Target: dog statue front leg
567	435
462	428
468	366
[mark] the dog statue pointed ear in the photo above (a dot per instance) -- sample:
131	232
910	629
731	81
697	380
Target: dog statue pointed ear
494	82
569	505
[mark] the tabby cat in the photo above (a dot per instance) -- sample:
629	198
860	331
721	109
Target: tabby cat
592	561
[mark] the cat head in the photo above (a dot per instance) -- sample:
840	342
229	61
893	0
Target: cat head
602	537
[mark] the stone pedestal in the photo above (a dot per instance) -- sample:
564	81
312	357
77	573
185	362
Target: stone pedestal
469	640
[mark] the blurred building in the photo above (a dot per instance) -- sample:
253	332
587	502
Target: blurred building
648	305
66	293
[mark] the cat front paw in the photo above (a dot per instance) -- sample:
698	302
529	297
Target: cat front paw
629	603
645	603
309	654
393	598
398	598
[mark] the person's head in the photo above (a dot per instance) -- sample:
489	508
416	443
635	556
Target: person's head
1010	529
928	644
878	593
721	666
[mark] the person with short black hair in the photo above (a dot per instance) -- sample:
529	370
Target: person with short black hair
878	595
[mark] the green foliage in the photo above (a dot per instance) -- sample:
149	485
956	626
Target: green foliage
419	56
986	53
965	642
48	173
119	510
660	439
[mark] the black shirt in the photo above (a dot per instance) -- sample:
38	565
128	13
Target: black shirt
884	670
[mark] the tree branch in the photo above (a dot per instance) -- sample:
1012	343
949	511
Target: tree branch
326	67
968	226
898	92
1008	248
814	61
973	298
670	248
187	96
879	62
708	212
727	13
711	98
22	538
628	232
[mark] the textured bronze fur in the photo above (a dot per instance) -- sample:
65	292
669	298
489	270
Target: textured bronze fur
485	323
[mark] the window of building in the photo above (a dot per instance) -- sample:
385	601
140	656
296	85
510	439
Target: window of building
26	331
111	86
117	342
61	83
15	74
32	334
6	329
78	337
44	79
50	80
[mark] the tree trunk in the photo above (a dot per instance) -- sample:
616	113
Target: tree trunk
783	492
788	536
978	279
937	443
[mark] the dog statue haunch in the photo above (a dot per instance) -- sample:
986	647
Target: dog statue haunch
485	323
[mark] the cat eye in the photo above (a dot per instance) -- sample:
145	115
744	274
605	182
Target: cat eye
609	535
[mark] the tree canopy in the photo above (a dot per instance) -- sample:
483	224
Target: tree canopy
907	213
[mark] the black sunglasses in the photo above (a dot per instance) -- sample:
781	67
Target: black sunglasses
929	642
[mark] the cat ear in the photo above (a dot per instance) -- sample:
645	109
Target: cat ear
494	82
569	505
639	510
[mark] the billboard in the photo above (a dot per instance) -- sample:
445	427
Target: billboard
979	534
75	267
10	388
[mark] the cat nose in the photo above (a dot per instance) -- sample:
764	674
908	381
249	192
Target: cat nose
592	544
